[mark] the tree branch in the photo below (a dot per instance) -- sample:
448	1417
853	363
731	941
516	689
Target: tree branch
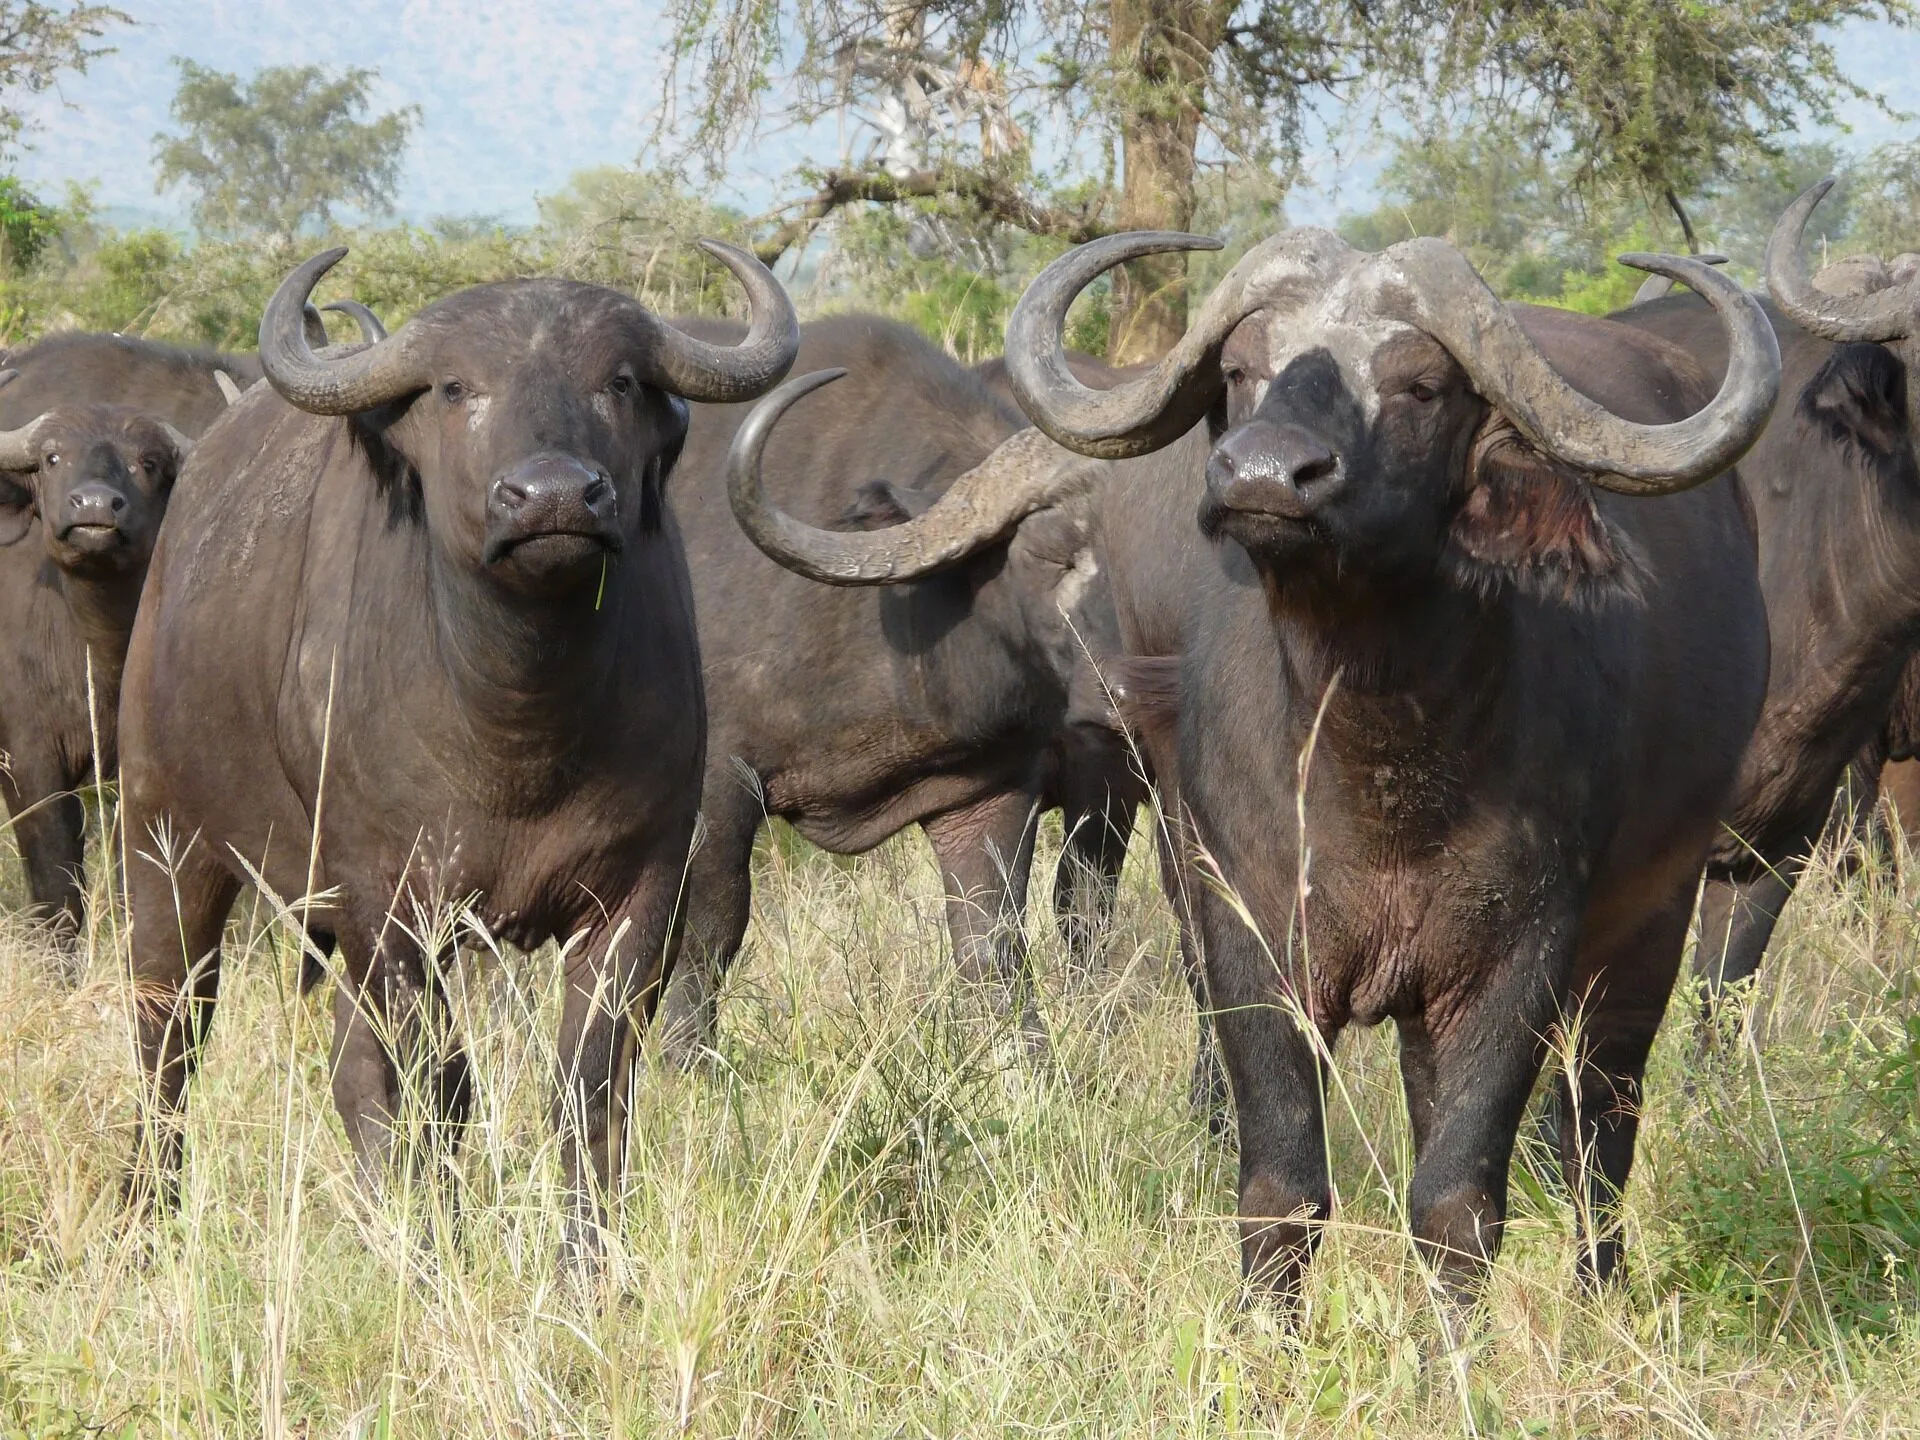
993	198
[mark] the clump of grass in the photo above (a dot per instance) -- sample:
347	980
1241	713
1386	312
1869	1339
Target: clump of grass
863	1218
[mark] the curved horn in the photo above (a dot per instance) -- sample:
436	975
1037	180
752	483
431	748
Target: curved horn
7	377
20	449
372	332
1432	285
1654	286
334	384
1886	315
1024	473
722	373
228	389
182	443
1132	419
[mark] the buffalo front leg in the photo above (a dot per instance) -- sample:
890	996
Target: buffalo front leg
1467	1085
719	899
178	904
612	983
49	826
1600	1100
1279	1093
985	852
397	1059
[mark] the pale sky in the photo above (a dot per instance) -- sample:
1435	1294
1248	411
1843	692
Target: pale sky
519	94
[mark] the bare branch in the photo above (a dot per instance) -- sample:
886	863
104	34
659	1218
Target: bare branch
992	197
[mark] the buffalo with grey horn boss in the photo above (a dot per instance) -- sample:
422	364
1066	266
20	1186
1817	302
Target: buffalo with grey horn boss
1454	636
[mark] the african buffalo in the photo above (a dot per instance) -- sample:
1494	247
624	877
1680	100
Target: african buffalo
915	687
1455	722
1834	484
97	428
418	634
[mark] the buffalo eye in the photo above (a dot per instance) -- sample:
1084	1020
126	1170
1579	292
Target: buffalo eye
1425	391
149	464
1235	375
622	384
452	391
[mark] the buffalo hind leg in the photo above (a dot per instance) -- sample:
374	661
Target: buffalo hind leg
49	826
1086	882
612	985
719	900
179	905
1737	919
985	852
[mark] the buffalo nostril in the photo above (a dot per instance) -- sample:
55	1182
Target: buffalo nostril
597	493
509	495
1316	467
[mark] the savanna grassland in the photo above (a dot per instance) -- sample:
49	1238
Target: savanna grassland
866	1217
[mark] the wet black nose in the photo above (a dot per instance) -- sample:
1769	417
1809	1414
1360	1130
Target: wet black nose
1263	468
552	495
93	503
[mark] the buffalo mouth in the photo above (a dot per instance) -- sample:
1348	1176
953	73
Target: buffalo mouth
92	539
549	549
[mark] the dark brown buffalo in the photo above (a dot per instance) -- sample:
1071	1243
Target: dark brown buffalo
419	635
938	691
96	427
1455	722
1835	486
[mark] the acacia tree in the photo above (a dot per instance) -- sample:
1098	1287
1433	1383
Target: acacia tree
1642	93
283	150
38	43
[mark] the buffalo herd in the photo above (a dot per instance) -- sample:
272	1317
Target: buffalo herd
1474	653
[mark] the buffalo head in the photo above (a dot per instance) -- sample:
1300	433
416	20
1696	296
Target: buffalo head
530	425
1386	413
98	477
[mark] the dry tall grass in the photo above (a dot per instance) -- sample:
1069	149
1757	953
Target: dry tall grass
861	1221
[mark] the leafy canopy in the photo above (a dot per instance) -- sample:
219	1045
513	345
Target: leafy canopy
280	153
38	42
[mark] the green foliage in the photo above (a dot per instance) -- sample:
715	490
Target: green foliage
38	42
1843	1118
25	225
282	152
1649	96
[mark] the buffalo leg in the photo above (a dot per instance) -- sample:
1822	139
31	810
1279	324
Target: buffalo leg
178	909
1207	1087
1736	923
1086	883
986	855
612	985
49	826
1599	1104
1279	1094
719	899
392	1029
1467	1089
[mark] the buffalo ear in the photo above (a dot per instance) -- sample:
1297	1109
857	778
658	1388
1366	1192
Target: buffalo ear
16	510
1860	395
879	504
1527	519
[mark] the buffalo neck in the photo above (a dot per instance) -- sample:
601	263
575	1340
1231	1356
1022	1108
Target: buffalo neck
531	679
1411	657
103	605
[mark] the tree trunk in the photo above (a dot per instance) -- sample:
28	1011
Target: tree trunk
1161	51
